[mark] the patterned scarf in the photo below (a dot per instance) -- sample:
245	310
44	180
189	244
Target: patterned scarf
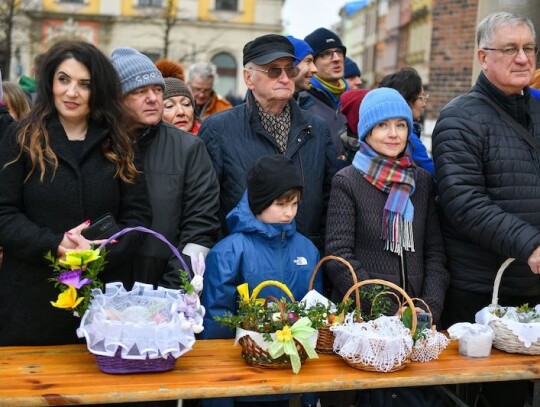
397	178
333	92
277	125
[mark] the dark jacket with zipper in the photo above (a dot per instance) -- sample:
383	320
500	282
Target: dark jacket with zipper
34	215
236	139
488	179
317	102
184	194
354	227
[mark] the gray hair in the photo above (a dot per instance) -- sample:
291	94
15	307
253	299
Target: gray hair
485	32
203	71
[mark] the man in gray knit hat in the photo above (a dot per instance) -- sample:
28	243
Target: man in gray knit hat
182	184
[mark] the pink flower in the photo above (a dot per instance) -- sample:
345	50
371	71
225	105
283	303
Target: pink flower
73	278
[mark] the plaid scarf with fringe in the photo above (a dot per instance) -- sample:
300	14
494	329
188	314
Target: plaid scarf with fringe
397	178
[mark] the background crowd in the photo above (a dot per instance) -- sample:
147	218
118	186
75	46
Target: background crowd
309	164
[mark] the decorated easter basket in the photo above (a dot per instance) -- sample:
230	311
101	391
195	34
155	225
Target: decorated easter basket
381	345
273	333
512	335
325	340
142	330
429	343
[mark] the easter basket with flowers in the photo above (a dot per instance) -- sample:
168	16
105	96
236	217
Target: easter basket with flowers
141	330
335	312
516	329
273	333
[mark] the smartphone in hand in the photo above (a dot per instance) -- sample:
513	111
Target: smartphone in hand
102	228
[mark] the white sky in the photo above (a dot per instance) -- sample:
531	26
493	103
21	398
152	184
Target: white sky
301	17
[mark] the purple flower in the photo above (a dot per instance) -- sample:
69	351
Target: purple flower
73	278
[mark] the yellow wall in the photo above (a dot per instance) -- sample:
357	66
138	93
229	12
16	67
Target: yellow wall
246	16
54	6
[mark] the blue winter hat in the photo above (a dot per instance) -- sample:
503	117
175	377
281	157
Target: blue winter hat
382	104
135	69
301	49
351	69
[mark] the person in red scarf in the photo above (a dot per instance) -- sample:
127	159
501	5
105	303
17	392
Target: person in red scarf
381	214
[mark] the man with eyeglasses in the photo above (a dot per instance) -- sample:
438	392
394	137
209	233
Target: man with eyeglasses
200	81
270	122
327	85
487	164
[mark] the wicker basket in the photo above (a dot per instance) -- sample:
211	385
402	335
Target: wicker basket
430	347
256	356
325	340
505	339
397	365
116	364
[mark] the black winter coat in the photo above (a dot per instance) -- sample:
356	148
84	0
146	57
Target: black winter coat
489	188
235	139
184	194
5	119
34	216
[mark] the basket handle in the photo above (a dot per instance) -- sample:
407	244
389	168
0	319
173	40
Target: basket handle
391	285
386	293
498	277
151	232
342	260
275	283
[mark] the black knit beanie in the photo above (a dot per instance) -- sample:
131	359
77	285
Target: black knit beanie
268	179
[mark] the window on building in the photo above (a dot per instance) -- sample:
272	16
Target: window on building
226	69
73	1
150	3
228	5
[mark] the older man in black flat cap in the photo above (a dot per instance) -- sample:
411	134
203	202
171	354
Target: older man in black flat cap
270	122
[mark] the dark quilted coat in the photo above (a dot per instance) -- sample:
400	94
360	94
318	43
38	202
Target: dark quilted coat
354	225
489	188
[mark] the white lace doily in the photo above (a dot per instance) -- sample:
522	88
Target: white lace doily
528	333
382	343
142	322
430	346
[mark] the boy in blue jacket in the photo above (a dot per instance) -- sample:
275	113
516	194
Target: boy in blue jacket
263	245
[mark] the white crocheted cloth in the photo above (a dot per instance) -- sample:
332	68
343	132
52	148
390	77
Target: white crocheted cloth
143	323
430	346
528	333
382	343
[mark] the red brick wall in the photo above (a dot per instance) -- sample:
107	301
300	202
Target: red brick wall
452	52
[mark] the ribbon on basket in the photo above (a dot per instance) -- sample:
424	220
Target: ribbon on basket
300	331
151	232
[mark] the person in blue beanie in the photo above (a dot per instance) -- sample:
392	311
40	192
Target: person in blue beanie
408	82
353	75
305	64
382	219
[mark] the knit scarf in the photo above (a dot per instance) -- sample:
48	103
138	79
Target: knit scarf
332	91
397	178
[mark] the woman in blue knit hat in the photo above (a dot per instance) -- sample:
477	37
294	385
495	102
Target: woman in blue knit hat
381	215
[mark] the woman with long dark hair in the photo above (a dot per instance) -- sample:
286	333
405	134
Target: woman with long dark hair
69	161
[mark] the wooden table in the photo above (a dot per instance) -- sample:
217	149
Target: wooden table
65	375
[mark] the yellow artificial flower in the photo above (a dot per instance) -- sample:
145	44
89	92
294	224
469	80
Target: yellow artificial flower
77	258
67	298
284	335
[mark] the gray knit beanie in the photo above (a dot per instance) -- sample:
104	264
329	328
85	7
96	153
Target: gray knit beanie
176	87
382	104
135	69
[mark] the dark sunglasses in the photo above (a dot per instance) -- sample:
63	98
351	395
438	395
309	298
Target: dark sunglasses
274	73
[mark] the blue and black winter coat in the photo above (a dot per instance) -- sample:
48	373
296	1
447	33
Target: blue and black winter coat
252	253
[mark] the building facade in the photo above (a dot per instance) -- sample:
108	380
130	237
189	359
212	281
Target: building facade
183	30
